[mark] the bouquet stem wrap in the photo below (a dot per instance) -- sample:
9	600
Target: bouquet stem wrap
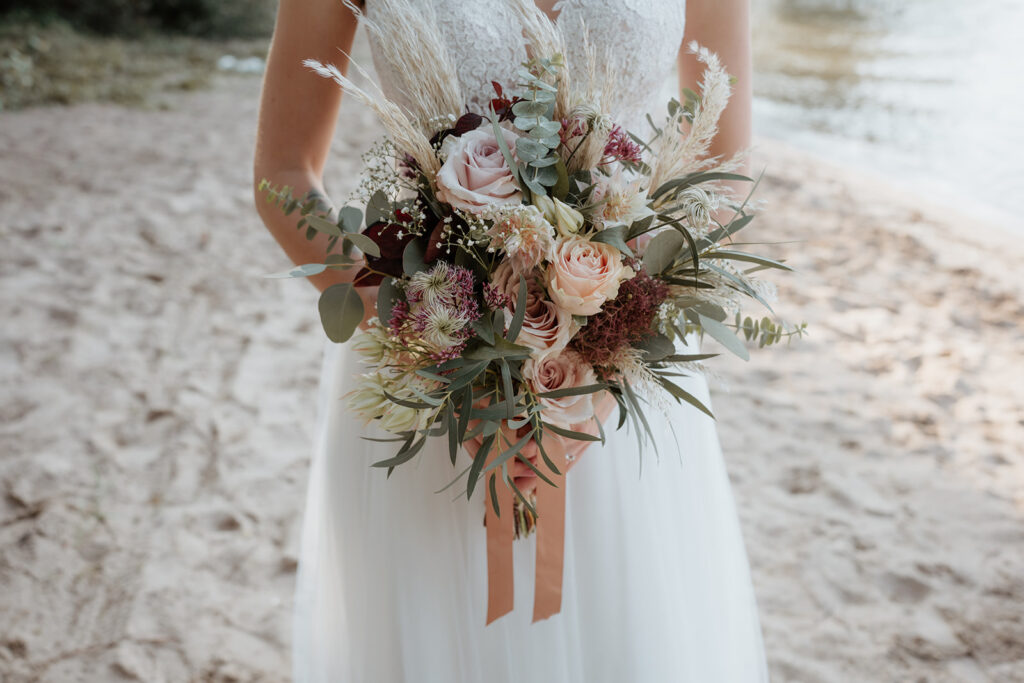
547	597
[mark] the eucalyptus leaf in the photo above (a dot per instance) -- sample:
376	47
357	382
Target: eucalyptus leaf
412	258
546	161
743	256
526	123
528	148
570	434
350	218
505	455
484	329
545	129
676	185
403	455
338	261
529	108
520	312
545	175
502	349
478	464
378	208
615	236
306	270
509	392
341	311
453	433
683	395
364	244
656	347
662	251
320	224
573	391
722	334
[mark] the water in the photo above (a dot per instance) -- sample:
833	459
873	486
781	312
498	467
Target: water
928	93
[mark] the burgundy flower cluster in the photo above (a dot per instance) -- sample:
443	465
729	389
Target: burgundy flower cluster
495	298
623	321
439	312
621	147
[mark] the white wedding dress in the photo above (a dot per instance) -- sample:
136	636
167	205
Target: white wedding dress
392	583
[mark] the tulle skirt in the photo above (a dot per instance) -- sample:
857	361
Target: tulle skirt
392	583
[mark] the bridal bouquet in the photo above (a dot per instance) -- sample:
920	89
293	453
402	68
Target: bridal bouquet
531	256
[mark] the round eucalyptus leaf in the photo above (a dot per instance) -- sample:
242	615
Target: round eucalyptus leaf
350	218
528	108
546	175
526	123
545	129
341	311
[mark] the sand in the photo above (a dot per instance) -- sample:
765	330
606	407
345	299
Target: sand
158	396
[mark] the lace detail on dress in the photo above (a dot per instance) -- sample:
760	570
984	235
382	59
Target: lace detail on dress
640	38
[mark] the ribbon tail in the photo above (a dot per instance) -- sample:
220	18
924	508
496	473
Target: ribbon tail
547	597
500	534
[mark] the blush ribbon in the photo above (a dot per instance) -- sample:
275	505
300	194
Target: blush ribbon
550	530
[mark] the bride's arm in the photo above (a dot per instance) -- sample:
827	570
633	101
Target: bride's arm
298	110
722	26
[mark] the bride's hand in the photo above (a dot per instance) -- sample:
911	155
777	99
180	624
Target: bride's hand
602	409
525	478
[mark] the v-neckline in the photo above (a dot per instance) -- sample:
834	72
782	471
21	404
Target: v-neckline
554	19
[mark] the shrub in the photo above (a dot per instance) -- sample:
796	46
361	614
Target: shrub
208	18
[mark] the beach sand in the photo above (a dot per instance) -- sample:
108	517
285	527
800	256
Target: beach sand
158	400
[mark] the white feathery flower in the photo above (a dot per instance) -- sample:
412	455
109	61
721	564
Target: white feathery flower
433	286
697	205
442	327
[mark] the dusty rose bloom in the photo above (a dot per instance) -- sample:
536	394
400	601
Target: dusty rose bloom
583	275
546	326
474	175
562	370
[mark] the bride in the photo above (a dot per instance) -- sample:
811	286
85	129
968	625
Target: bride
392	577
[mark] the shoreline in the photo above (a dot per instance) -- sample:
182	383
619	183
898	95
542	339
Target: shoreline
993	220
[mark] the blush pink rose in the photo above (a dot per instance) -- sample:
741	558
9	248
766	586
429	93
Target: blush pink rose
583	275
546	326
474	175
561	370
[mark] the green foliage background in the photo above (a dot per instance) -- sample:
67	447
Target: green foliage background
203	18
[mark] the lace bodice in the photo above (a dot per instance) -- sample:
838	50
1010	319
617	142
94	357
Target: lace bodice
641	37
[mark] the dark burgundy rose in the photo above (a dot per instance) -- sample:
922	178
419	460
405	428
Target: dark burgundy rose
467	122
392	246
432	251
